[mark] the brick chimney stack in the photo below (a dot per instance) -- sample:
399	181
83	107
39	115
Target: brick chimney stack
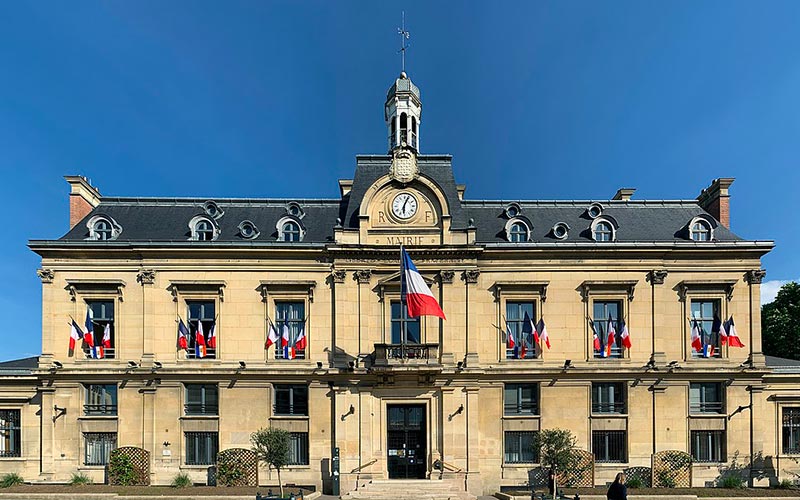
83	197
715	200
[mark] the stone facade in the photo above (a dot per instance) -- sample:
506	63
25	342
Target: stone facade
458	370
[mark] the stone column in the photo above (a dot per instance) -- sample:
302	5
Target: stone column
47	448
473	426
146	277
470	278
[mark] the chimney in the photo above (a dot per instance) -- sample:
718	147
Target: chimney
715	200
83	197
624	194
461	189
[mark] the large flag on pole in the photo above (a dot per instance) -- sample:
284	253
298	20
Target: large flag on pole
88	333
597	346
718	328
610	336
733	338
300	340
288	350
415	292
212	336
509	337
272	335
183	335
107	336
624	334
529	330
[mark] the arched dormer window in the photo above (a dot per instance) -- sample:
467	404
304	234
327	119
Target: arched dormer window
701	229
290	229
518	231
603	230
203	228
103	228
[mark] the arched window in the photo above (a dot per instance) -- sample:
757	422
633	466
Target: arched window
403	128
413	131
103	230
203	230
701	231
518	233
603	231
290	231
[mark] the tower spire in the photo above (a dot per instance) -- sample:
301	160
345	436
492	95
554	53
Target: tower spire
404	35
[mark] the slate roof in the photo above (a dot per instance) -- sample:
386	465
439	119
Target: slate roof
20	364
167	219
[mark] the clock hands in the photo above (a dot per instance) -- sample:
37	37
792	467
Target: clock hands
404	204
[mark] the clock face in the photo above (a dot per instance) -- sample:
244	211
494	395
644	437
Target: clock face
404	205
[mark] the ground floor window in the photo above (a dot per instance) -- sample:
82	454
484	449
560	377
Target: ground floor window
708	446
791	431
519	448
609	446
298	448
10	433
98	447
201	448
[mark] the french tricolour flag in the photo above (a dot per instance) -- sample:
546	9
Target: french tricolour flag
415	292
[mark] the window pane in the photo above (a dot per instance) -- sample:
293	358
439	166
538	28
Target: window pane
601	310
791	431
609	446
515	319
608	398
201	448
101	399
293	315
298	448
98	446
10	436
708	446
521	399
519	447
404	329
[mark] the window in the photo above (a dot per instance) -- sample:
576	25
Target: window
521	399
603	231
608	397
298	448
405	330
203	230
708	446
98	446
706	398
704	311
102	230
102	317
609	446
515	321
293	315
101	399
201	313
791	431
248	230
560	230
601	311
519	448
291	400
212	209
701	231
518	233
10	439
202	399
290	231
201	448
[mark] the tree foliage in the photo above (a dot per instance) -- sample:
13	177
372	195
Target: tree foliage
272	447
780	323
557	449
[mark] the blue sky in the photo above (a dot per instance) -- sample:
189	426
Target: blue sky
551	100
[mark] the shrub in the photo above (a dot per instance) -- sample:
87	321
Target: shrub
785	484
733	480
231	473
121	470
634	482
79	479
9	480
181	481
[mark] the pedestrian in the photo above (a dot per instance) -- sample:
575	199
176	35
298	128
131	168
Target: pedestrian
618	490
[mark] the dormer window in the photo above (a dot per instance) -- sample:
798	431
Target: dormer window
213	210
594	210
518	230
561	230
248	230
103	228
512	210
700	230
290	229
603	231
203	229
295	210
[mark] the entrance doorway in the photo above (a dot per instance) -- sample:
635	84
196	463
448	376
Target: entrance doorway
406	441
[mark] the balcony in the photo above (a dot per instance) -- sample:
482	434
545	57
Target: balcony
399	355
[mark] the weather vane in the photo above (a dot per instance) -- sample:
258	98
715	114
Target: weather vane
404	35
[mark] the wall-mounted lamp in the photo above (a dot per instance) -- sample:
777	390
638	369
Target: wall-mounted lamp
319	365
132	365
460	365
351	411
351	365
458	411
57	365
673	365
59	412
157	366
651	365
568	364
242	365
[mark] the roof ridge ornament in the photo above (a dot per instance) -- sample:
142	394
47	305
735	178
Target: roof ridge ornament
404	35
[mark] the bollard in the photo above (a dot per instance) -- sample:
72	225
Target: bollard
258	495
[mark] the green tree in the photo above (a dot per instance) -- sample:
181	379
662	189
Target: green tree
780	323
272	446
557	451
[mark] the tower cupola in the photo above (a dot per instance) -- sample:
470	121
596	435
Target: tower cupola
402	113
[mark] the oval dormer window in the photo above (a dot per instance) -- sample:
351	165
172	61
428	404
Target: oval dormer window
594	211
248	230
560	230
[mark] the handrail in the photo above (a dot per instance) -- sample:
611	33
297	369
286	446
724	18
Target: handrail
451	467
360	467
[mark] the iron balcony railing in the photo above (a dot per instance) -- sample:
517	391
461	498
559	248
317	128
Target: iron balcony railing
523	408
200	409
100	409
406	352
288	409
617	407
706	407
108	353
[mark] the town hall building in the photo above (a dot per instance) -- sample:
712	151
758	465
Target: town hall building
369	393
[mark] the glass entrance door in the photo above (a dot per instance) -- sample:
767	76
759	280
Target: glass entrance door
406	439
